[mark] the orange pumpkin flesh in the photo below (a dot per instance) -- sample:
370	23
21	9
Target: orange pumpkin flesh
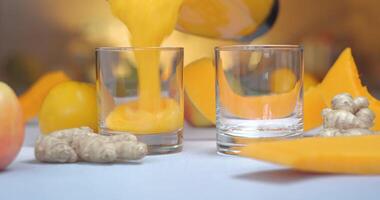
313	105
199	82
345	154
342	77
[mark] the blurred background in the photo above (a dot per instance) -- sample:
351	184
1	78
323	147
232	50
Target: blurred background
43	35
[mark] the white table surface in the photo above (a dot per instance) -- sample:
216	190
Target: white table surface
196	173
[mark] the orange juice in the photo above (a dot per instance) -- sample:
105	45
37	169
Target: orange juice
149	23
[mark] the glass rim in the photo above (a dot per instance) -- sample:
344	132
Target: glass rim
139	48
251	47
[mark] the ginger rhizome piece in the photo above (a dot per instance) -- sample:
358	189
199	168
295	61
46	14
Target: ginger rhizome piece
82	144
347	116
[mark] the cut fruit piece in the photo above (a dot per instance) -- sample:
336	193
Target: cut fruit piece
199	81
194	116
313	105
32	99
343	77
344	154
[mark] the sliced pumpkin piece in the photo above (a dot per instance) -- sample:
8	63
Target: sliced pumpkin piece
199	81
313	105
194	116
32	99
345	154
342	77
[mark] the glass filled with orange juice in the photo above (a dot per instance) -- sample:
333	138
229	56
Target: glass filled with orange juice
140	91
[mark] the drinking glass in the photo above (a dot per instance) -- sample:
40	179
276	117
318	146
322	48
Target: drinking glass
140	91
259	94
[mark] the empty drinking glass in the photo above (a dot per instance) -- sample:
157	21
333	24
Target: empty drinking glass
259	94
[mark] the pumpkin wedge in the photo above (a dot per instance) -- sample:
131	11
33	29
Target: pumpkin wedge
342	77
344	154
313	105
199	82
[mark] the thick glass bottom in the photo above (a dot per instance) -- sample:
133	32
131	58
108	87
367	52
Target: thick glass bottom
158	143
233	134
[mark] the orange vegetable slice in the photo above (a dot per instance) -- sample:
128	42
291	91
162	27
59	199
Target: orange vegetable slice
199	82
342	77
32	99
313	105
345	154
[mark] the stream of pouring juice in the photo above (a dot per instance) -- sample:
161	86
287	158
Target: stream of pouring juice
149	23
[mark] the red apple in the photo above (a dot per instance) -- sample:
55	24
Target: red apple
11	126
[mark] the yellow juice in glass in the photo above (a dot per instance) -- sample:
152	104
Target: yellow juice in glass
148	22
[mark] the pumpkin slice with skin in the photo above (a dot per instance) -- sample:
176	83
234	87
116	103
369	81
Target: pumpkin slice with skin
32	99
344	154
313	105
199	82
343	77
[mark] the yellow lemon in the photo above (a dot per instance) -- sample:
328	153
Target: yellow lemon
68	105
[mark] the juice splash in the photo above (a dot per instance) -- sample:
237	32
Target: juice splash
149	23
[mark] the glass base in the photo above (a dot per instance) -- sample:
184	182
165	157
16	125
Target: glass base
162	143
232	136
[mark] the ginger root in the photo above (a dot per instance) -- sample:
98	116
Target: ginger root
82	144
347	116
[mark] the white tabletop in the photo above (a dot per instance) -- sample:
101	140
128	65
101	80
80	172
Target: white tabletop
196	173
